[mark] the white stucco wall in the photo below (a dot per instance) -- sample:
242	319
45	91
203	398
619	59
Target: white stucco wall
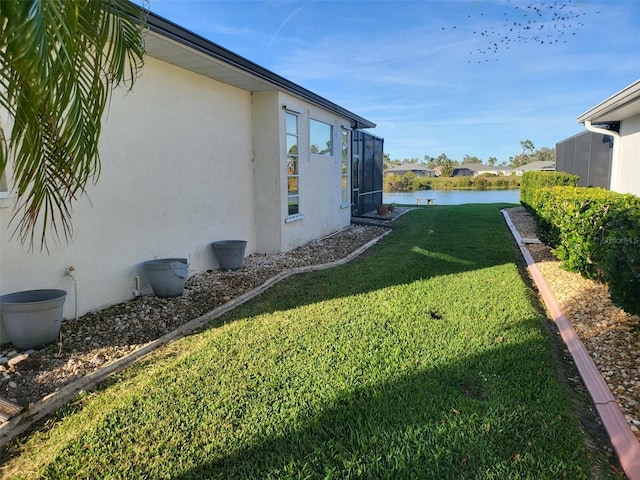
270	201
320	180
177	174
186	161
320	176
628	172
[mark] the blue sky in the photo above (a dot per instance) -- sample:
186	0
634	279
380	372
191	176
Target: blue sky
455	77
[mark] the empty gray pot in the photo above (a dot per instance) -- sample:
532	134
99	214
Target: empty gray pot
32	317
167	276
230	253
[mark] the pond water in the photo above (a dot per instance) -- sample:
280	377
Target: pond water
453	197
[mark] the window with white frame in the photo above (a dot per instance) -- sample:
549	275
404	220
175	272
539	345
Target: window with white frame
293	160
321	138
345	166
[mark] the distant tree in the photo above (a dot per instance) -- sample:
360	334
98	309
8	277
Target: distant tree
443	158
492	161
470	159
447	166
411	160
527	148
544	154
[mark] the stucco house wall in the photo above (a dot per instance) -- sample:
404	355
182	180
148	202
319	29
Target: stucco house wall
195	153
628	172
619	117
321	209
177	174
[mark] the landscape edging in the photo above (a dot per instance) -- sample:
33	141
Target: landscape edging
623	440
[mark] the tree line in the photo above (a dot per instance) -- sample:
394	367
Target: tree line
528	154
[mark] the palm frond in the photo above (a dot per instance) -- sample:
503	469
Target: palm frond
60	61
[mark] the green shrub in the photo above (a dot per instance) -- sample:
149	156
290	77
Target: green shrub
576	223
480	184
622	259
463	182
544	204
399	183
422	183
532	181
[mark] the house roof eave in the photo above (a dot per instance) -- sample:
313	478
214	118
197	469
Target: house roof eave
168	41
620	106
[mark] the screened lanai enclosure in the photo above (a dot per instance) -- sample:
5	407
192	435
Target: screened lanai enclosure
366	171
588	155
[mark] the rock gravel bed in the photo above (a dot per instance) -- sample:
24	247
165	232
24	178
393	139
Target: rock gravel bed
610	335
98	338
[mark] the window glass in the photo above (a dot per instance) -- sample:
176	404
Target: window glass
292	185
292	124
345	166
292	144
321	135
292	161
292	165
294	205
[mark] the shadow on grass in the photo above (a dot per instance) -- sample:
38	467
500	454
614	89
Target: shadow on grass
500	414
426	243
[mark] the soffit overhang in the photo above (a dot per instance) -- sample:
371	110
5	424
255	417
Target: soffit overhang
173	44
620	106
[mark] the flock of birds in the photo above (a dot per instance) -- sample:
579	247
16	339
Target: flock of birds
544	23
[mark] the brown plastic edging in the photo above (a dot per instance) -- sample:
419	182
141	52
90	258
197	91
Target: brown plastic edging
624	441
52	402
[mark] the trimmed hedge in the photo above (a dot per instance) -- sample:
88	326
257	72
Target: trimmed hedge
622	259
532	181
594	232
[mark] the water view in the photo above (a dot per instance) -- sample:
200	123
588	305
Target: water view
452	197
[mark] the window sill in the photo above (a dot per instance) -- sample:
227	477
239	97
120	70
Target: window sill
345	205
294	218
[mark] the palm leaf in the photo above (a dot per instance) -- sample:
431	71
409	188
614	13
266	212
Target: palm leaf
60	61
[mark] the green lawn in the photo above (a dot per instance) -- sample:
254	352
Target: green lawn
425	358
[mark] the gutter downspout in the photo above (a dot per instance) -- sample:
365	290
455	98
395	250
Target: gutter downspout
615	154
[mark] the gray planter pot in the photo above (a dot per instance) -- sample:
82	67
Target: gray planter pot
229	253
32	317
167	276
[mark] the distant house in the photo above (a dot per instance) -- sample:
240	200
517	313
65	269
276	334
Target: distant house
588	155
415	168
463	172
207	146
475	169
541	165
618	117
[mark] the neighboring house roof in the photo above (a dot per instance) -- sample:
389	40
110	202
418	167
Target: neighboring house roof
539	165
408	167
476	167
620	106
482	168
171	43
